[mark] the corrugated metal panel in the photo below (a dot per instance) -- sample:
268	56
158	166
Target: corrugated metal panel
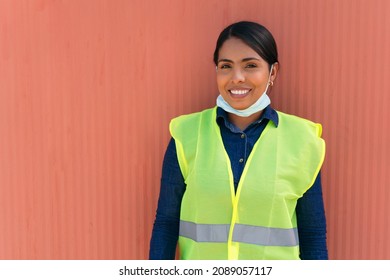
87	89
335	71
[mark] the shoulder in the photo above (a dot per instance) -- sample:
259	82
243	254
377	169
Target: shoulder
293	118
299	123
191	119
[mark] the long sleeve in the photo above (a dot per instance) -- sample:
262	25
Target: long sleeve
312	224
166	226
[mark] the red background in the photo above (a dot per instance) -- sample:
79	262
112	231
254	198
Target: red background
87	89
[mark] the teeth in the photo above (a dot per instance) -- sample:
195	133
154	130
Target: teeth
234	91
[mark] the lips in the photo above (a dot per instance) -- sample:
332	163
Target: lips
239	92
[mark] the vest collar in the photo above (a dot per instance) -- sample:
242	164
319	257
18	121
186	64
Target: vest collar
268	114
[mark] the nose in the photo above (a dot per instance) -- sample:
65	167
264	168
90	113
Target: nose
237	76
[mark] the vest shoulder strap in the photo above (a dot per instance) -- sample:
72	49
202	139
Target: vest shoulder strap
185	130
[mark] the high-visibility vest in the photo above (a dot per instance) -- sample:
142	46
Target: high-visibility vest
258	221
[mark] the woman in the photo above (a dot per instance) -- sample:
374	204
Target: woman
241	180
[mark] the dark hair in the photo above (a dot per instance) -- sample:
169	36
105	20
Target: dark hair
254	35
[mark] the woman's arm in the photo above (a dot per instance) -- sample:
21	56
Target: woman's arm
312	224
166	225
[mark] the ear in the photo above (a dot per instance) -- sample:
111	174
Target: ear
274	72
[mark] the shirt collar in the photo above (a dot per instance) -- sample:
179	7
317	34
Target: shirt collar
269	113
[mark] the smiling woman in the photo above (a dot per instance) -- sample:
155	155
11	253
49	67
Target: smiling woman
241	180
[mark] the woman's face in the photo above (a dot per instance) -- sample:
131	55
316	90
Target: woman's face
242	74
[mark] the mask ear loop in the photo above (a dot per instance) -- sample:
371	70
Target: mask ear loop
271	83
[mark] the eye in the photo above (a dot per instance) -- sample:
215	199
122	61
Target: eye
224	66
251	65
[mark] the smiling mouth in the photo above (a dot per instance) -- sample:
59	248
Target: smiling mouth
239	92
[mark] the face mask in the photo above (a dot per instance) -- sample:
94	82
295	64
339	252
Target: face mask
259	105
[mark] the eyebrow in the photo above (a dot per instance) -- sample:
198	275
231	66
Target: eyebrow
243	60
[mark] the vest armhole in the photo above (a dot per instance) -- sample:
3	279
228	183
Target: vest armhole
318	129
181	159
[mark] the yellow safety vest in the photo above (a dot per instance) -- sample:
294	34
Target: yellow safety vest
259	220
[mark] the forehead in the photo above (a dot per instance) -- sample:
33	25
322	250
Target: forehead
235	49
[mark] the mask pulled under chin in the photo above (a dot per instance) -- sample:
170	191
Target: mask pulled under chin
258	106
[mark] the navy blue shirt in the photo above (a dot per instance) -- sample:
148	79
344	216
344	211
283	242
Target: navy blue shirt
238	145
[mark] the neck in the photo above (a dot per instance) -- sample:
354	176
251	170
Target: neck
243	122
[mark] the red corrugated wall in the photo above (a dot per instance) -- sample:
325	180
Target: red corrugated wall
87	89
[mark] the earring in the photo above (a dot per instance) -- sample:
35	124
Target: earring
271	83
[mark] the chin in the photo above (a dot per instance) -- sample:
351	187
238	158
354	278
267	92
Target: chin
241	107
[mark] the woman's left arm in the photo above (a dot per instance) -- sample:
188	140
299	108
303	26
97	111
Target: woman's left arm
312	224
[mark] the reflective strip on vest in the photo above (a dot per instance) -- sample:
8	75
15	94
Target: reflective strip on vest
242	233
204	232
265	236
